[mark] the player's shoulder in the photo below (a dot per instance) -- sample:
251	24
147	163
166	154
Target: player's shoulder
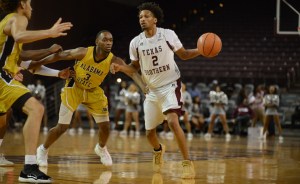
137	39
166	31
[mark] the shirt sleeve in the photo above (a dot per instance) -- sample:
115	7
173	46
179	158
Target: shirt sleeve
133	50
173	39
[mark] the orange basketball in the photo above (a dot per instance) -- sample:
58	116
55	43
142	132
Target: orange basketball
209	44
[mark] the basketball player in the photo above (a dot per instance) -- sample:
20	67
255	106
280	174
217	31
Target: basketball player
152	51
92	66
13	33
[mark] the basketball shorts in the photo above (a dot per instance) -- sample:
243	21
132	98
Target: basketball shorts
160	101
10	93
93	99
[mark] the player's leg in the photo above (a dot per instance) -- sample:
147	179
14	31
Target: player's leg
187	125
225	125
210	126
65	116
135	116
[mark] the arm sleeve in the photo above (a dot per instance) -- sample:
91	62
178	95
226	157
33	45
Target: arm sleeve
42	70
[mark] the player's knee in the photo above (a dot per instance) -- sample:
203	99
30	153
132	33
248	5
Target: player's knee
150	133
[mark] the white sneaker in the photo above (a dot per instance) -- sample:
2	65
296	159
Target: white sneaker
42	156
45	130
123	133
131	133
80	131
137	134
104	155
162	134
158	158
227	137
207	136
188	170
104	178
170	135
92	132
280	139
190	136
72	131
4	162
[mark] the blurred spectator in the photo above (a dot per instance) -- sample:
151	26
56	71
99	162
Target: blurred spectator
132	101
121	106
187	107
271	103
197	116
258	106
242	116
218	99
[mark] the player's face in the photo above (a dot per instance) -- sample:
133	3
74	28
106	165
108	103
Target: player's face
105	41
27	8
147	19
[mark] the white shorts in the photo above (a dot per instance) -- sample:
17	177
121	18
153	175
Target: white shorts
160	101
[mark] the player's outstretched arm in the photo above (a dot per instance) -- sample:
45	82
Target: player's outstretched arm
39	54
186	54
22	35
118	65
73	54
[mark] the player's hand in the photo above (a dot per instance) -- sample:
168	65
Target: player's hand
19	76
65	73
58	29
55	48
114	68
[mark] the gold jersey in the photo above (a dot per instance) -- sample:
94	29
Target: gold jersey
10	50
89	73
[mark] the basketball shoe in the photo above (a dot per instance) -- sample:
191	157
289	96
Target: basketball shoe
32	174
188	171
104	155
42	156
4	162
158	158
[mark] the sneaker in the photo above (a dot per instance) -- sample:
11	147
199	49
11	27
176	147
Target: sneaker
207	136
280	139
227	137
45	130
170	135
137	134
157	178
72	131
188	171
92	132
104	178
80	131
32	174
4	162
131	133
104	155
42	156
162	134
123	133
190	136
158	158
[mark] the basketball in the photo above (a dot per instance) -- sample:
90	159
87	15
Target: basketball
209	44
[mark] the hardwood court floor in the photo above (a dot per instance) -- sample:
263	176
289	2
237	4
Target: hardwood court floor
242	160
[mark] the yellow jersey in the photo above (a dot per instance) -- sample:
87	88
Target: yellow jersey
10	50
89	73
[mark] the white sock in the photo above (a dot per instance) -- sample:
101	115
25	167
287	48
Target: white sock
30	159
43	148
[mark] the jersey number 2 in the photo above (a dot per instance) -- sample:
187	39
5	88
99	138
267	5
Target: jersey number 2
154	60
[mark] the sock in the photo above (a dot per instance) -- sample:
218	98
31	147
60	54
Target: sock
159	149
43	148
30	159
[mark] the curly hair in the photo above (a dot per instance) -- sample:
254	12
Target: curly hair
155	10
8	6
